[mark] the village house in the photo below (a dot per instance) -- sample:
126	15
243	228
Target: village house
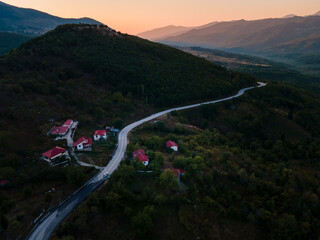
3	182
83	144
62	130
56	156
141	155
178	172
172	145
100	134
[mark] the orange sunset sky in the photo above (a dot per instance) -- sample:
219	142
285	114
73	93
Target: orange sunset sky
134	16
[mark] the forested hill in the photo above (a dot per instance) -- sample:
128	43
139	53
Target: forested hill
160	75
96	75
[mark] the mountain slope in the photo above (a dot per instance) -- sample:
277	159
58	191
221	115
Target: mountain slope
29	21
96	76
11	40
164	32
170	31
252	35
285	39
258	67
85	70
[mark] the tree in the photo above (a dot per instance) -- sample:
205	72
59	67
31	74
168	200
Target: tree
76	176
48	197
154	142
27	192
168	180
142	222
117	123
7	172
124	173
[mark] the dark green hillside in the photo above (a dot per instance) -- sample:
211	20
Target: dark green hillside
94	75
252	171
159	75
9	41
263	68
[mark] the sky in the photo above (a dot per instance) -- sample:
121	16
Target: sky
135	16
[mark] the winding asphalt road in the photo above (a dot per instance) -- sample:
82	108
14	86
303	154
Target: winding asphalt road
46	226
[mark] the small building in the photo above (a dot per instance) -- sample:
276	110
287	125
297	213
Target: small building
100	134
62	130
172	145
83	144
142	156
56	156
178	172
3	182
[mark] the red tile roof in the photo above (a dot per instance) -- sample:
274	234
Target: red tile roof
3	182
85	141
171	144
138	152
141	154
53	152
68	122
143	158
59	130
100	132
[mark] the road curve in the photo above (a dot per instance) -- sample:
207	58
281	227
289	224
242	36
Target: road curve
45	227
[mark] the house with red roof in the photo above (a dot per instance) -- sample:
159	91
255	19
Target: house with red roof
178	172
172	145
83	144
142	156
3	182
100	134
56	156
62	130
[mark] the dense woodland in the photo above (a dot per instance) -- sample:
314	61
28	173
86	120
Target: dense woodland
252	164
11	40
96	76
252	172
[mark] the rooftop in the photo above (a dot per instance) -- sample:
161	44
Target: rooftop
53	152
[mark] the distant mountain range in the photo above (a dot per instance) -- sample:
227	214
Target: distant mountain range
170	31
288	39
17	25
30	21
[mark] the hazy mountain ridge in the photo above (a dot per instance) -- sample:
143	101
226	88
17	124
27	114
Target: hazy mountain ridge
164	32
283	39
253	35
170	31
30	21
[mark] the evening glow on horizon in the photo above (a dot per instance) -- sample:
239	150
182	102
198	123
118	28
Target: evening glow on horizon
132	17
